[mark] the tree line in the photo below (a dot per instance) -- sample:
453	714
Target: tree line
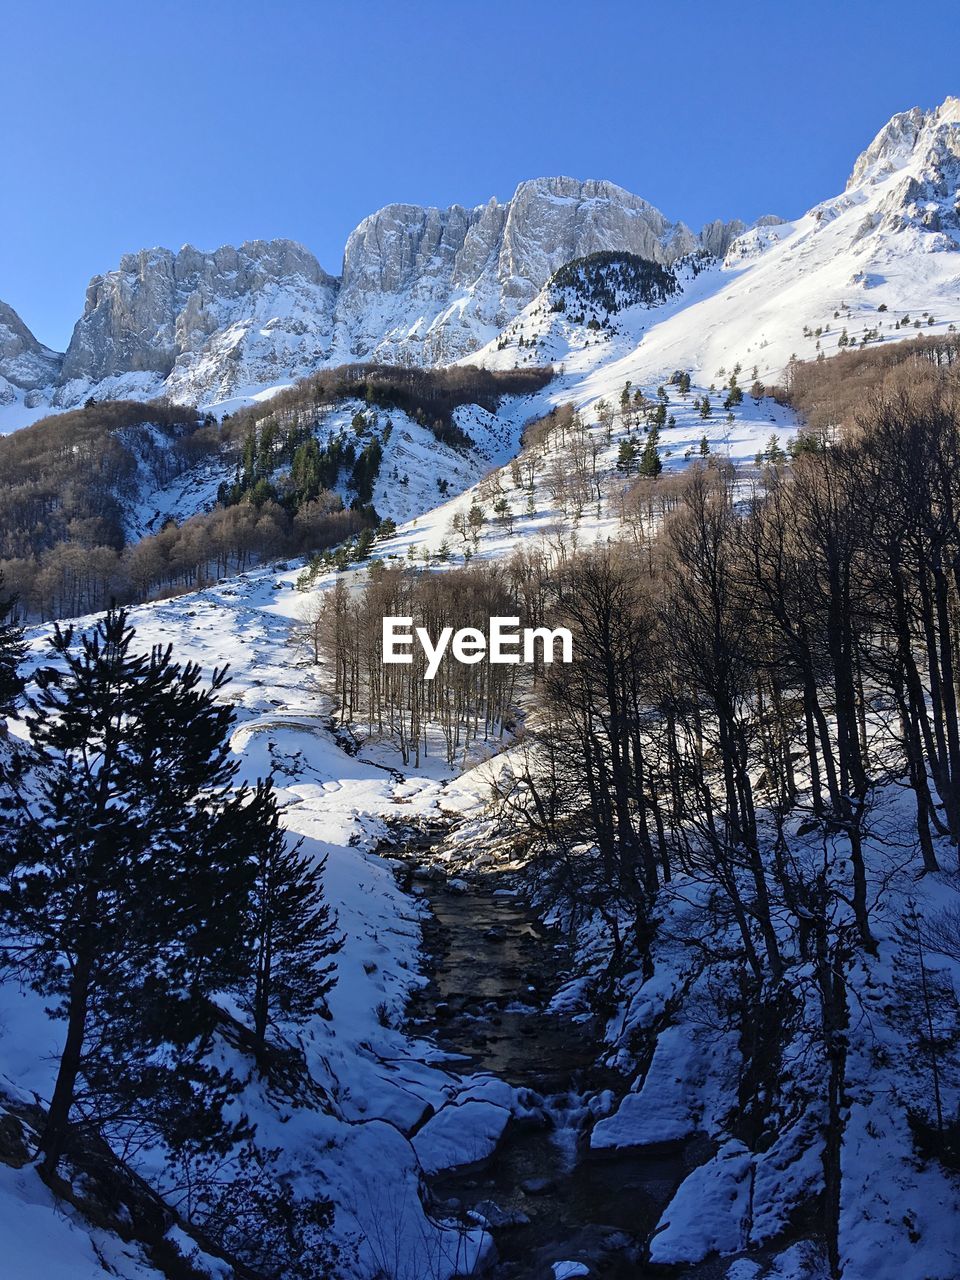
71	482
831	393
608	281
430	396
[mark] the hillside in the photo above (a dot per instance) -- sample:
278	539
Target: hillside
879	263
124	500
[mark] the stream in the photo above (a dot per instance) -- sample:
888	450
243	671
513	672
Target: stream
493	967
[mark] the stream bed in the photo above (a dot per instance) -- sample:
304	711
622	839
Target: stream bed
543	1194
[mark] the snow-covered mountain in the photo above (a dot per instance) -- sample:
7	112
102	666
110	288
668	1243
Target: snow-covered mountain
25	363
192	323
429	286
419	286
435	286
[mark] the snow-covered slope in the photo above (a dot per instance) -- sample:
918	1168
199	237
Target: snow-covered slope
416	473
877	263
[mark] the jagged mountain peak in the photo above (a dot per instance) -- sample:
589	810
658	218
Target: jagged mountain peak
906	137
426	285
564	187
196	314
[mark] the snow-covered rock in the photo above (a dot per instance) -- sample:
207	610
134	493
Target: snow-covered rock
200	324
429	286
26	365
460	1135
710	1212
880	262
899	139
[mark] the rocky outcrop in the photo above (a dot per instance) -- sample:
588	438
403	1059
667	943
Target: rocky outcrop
920	151
717	237
428	286
904	139
203	323
25	363
432	285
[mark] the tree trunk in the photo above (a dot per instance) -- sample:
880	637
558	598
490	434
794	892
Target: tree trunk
54	1136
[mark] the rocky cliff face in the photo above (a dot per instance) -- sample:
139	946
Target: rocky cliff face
902	201
25	363
432	285
198	324
902	138
916	156
419	286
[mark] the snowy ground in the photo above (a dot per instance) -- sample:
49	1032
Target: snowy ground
382	1084
424	535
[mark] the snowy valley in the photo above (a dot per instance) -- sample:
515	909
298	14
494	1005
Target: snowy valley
647	968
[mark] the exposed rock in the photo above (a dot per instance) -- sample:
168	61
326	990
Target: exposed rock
537	1186
24	362
899	139
717	237
490	1213
425	285
430	872
202	323
432	285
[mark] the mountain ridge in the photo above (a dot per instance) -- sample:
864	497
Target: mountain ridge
418	285
431	286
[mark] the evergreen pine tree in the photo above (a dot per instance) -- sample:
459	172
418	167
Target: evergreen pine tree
704	447
627	456
650	464
293	930
125	877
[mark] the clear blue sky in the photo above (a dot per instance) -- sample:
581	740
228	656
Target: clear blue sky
134	124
